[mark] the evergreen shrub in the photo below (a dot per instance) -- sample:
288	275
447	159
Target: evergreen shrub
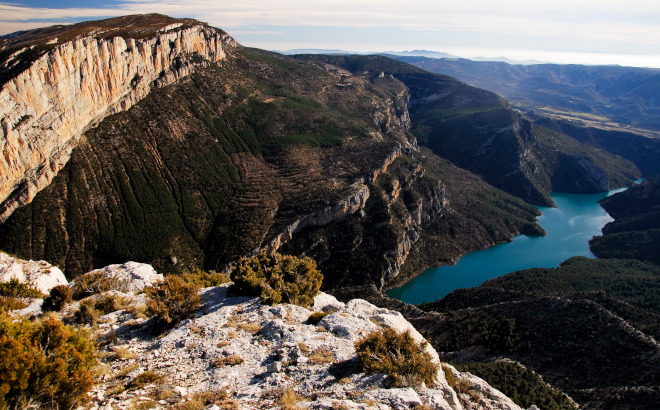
173	300
44	363
278	278
59	296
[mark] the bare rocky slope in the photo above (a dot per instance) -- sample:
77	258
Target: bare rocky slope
243	354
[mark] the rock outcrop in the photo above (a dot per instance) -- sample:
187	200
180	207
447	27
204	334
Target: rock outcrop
45	109
347	206
253	352
40	275
130	277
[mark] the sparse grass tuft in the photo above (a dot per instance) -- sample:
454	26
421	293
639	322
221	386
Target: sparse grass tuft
232	360
123	353
86	313
202	400
110	303
248	327
321	355
288	399
145	378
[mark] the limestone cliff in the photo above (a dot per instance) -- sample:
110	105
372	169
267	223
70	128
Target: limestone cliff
46	108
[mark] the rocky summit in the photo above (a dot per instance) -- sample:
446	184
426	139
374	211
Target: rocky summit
250	353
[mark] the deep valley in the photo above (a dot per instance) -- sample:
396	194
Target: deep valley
165	142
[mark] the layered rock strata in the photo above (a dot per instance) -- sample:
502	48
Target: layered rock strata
46	108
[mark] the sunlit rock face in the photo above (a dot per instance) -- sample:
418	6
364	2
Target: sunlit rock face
46	108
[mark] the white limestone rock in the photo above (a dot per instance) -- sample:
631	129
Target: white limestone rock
40	275
398	399
278	350
326	303
131	277
45	109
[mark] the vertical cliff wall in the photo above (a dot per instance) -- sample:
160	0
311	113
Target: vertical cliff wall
45	109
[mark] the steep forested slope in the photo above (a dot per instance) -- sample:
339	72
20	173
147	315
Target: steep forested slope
479	131
635	233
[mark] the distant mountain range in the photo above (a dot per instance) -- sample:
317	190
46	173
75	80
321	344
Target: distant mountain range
412	53
610	97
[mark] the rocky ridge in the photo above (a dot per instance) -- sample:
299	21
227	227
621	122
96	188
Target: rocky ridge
252	352
47	107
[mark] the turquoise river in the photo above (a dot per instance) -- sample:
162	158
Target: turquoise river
576	219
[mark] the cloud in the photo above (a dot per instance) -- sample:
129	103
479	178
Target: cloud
606	25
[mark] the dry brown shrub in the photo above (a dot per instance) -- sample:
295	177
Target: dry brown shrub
173	300
321	355
397	355
232	360
288	399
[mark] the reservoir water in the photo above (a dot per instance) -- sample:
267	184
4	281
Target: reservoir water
569	227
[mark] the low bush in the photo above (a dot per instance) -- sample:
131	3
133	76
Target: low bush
451	379
17	289
110	303
173	300
278	278
8	303
92	283
87	313
205	279
397	355
59	297
316	317
44	363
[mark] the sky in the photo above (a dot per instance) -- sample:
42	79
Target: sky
623	32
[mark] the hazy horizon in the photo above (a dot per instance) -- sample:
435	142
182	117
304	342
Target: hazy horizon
565	32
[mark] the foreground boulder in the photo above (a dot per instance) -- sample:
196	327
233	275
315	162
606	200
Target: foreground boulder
40	275
129	277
